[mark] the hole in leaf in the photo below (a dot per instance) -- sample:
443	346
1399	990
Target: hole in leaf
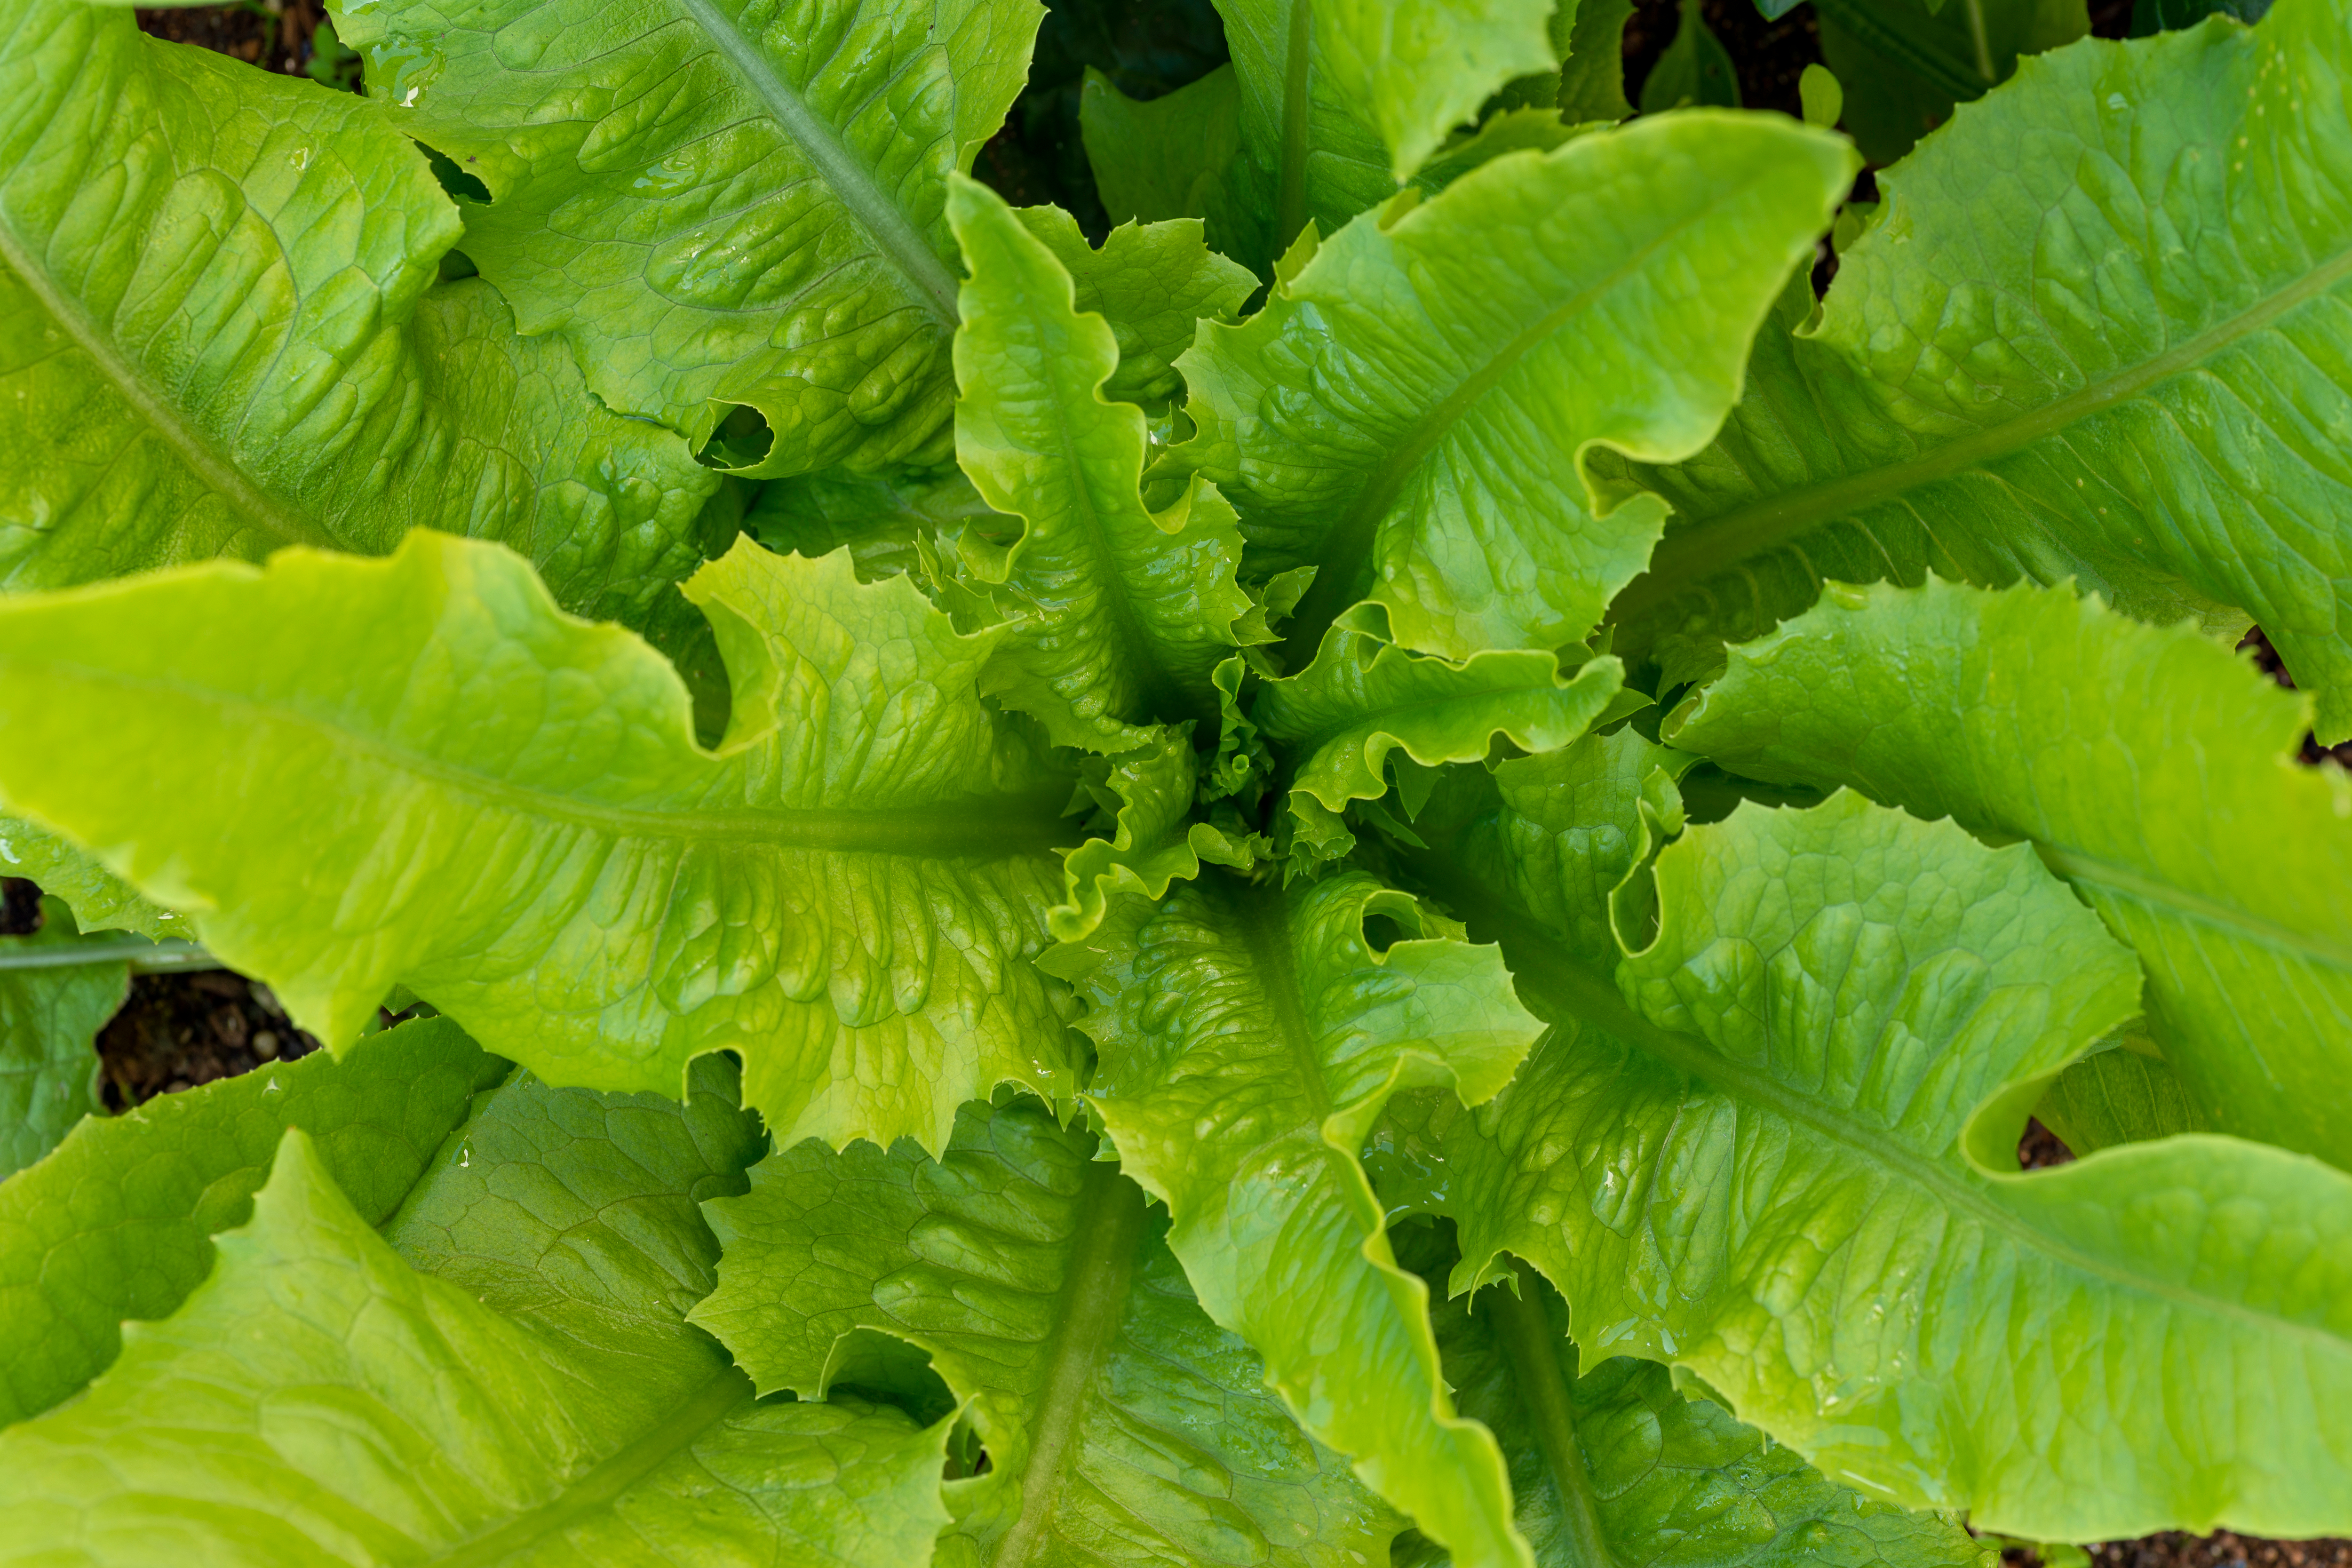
1383	933
459	183
742	439
456	264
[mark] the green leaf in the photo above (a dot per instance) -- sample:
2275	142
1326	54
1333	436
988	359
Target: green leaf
1065	1323
1592	76
719	201
1153	283
1339	103
1154	841
1784	1157
1910	64
219	335
51	1009
1247	1037
1122	615
2030	713
100	900
1175	156
533	1395
1696	70
1361	700
884	518
117	1221
415	771
2118	1096
1379	418
1615	1467
2116	362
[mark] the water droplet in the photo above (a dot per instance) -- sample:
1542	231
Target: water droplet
274	1087
465	1156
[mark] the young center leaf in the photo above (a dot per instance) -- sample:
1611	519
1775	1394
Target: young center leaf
719	201
1084	1361
220	334
1118	615
2150	769
1248	1035
1779	1149
503	1376
1361	700
57	989
2119	359
1411	410
1616	1466
117	1223
417	771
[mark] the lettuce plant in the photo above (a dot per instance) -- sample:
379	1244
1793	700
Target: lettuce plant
1383	868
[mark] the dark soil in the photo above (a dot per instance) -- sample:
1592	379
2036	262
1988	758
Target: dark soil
2220	1550
2040	1148
20	906
177	1031
278	40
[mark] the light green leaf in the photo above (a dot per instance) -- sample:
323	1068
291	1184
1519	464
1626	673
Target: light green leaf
117	1221
2147	765
1784	1157
1153	283
218	335
1560	834
532	1397
1412	409
1122	613
415	771
1381	83
1154	840
1247	1037
51	1009
1361	700
2119	360
1175	156
100	900
1909	64
719	201
2118	1096
1616	1467
1086	1362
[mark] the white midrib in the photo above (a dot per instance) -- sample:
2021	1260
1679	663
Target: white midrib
850	180
218	473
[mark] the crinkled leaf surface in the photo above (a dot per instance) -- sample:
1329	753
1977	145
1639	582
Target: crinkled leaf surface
1122	613
1121	1425
504	1377
1248	1035
117	1221
1153	840
417	771
1152	282
732	200
2151	767
56	993
1616	1467
2100	329
1411	410
1360	701
1784	1157
219	335
1342	101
